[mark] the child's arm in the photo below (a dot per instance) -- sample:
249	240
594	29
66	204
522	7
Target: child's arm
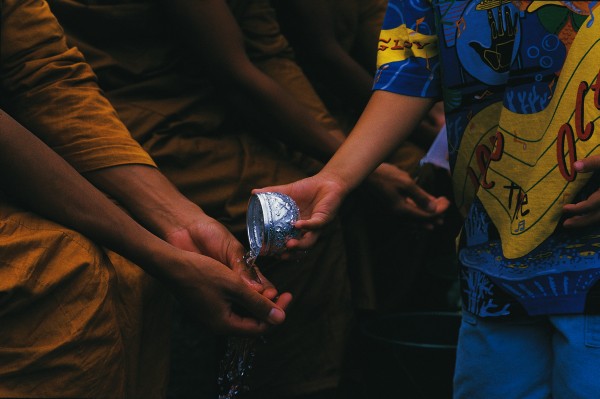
387	120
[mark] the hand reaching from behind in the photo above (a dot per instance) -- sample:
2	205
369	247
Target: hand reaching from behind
404	196
587	212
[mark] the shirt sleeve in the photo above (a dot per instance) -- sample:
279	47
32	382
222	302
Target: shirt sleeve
407	57
49	88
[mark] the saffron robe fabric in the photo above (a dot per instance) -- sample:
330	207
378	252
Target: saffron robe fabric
76	320
174	109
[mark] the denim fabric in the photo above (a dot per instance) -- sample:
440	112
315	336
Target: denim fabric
538	357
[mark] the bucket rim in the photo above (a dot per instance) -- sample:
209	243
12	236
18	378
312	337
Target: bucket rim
364	324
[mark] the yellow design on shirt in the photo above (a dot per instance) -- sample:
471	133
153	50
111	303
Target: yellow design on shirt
521	168
400	43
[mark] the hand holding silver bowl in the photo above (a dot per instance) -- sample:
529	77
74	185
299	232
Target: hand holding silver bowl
270	222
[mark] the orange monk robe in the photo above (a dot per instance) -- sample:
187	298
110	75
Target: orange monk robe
75	319
174	109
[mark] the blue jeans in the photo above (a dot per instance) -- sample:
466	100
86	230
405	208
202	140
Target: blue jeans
554	357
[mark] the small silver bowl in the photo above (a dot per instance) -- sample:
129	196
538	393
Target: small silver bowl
270	222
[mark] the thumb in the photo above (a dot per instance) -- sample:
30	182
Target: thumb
588	164
422	198
317	221
262	308
266	189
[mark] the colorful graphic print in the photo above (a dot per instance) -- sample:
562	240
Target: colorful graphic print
521	167
521	89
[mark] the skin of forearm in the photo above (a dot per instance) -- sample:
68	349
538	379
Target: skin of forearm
344	73
254	93
50	186
315	19
47	184
387	120
148	196
287	119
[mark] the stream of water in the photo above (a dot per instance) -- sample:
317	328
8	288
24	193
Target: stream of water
239	353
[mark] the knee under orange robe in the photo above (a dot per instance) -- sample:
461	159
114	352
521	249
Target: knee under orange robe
200	144
76	320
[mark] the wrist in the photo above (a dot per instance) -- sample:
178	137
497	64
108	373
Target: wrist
335	181
149	196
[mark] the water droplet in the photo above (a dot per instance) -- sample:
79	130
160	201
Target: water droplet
235	366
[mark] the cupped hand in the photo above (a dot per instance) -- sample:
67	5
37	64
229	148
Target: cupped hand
209	237
587	212
405	197
220	298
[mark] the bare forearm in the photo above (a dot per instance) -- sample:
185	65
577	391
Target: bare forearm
45	183
345	74
286	119
149	196
387	120
255	94
315	22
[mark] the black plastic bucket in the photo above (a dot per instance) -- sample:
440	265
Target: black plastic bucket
411	355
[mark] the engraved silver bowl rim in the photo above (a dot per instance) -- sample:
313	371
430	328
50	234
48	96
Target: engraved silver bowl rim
261	223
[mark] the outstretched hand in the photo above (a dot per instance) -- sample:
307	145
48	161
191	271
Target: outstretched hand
405	197
318	199
221	299
587	212
217	285
207	236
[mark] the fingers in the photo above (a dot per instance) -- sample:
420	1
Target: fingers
268	289
267	189
441	205
422	198
581	221
284	300
250	312
250	275
435	208
247	322
398	186
584	213
587	212
317	221
581	208
589	164
253	278
262	309
270	293
308	240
